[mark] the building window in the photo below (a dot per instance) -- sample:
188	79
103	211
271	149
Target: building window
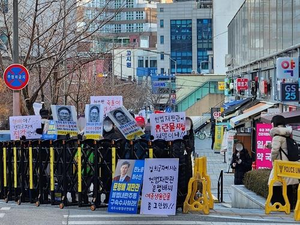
118	4
162	57
129	16
153	62
129	27
140	61
161	9
139	15
117	28
139	27
204	40
162	39
161	23
118	17
129	3
162	70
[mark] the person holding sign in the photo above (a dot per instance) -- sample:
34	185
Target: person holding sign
123	177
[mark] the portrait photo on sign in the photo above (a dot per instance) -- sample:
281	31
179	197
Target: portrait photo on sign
64	113
120	116
93	113
123	171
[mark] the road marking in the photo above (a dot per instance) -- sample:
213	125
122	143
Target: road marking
2	215
135	222
5	208
114	216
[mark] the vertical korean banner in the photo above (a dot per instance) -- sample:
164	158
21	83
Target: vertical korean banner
126	186
108	103
263	155
24	126
168	126
160	182
218	137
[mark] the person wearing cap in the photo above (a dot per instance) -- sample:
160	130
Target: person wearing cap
140	121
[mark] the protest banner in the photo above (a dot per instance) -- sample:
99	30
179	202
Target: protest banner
126	123
94	121
126	186
65	118
109	103
218	137
263	155
159	191
4	135
24	126
168	126
49	131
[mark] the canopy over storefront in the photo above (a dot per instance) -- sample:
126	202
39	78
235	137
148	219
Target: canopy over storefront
291	117
232	107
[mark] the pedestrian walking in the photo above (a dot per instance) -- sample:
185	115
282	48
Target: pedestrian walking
241	162
278	134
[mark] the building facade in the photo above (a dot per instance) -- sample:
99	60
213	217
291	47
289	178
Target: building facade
184	37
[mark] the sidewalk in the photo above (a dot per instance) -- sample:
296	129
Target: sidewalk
215	163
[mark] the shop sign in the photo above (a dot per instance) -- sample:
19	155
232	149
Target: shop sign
287	68
215	113
221	86
241	84
289	92
263	138
128	59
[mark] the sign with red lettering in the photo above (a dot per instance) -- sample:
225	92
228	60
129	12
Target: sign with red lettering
287	68
241	84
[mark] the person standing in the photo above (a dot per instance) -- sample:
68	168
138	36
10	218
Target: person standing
241	162
279	132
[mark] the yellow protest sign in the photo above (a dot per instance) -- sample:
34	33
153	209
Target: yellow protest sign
218	137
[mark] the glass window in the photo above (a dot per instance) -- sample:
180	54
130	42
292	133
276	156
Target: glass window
162	70
139	15
162	39
117	28
129	27
296	22
162	57
140	61
153	62
129	16
139	27
287	24
161	23
118	4
129	3
161	9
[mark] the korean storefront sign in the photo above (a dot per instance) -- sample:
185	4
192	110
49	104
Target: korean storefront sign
24	126
160	186
126	186
128	59
287	68
263	155
168	126
109	103
218	137
290	92
241	84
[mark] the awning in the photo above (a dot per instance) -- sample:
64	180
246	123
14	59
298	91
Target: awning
236	106
250	112
291	117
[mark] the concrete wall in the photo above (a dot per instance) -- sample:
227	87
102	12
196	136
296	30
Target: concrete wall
223	13
204	105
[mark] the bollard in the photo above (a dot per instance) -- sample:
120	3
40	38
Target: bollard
113	159
150	149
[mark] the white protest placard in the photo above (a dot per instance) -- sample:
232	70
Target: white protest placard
168	126
125	123
109	103
94	121
24	126
65	117
159	191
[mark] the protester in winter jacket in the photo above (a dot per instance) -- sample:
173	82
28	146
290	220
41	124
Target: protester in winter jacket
279	142
110	132
241	162
190	133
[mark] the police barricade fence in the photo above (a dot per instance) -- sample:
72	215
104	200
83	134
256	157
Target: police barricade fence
78	172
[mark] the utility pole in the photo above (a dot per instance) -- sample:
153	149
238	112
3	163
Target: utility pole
16	94
113	67
64	58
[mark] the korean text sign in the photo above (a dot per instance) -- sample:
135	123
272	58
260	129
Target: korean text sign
65	117
287	68
94	121
126	123
218	137
126	186
241	84
109	103
263	155
50	131
24	126
168	126
159	192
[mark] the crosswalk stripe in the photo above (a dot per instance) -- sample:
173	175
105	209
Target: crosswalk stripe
2	215
134	222
5	208
114	215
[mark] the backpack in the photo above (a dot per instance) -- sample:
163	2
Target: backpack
293	152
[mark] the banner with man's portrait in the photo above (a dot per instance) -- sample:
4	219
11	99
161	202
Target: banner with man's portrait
125	123
65	117
94	121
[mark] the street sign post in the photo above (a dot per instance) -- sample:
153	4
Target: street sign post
16	77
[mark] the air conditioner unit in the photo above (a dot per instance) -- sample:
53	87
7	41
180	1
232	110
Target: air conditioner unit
228	60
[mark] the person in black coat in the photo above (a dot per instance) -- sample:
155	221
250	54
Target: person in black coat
241	163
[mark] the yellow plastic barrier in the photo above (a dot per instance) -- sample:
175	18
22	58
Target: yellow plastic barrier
4	168
197	199
284	169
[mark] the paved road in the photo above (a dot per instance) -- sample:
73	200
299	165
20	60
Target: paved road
28	214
